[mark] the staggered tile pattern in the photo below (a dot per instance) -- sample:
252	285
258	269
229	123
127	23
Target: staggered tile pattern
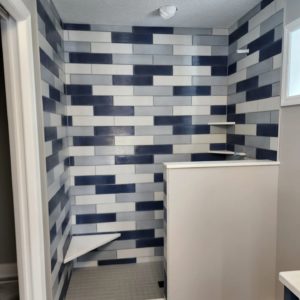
137	97
254	81
56	142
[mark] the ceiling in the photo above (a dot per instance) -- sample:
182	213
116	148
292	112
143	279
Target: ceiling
191	13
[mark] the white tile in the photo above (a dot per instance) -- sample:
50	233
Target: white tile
238	76
209	100
248	61
80	110
269	104
134	121
192	70
208	138
158	214
274	143
245	129
277	61
118	90
93	121
262	15
94	199
82	170
191	110
159	196
78	68
115	226
81	150
134	178
172	39
133	140
220	31
249	37
133	100
111	48
246	107
194	148
112	69
139	252
172	80
89	36
117	150
192	50
115	208
115	169
159	233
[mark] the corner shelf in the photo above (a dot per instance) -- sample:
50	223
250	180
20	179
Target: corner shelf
225	152
221	123
83	244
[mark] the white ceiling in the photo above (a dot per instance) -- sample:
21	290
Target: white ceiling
191	13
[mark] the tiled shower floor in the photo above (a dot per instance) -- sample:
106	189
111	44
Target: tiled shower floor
117	282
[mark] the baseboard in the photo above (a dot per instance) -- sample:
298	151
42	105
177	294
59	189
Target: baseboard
8	271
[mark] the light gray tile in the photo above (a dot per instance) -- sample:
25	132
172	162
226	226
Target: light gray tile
82	190
111	28
152	90
237	98
208	80
173	60
94	160
173	100
254	11
159	251
118	245
172	139
275	117
153	49
153	111
135	197
80	131
219	50
260	68
214	40
135	216
114	150
162	158
84	228
98	255
91	79
278	32
193	31
129	59
155	168
149	187
276	88
83	209
219	90
232	89
270	77
199	120
149	224
153	130
257	141
258	117
77	46
271	22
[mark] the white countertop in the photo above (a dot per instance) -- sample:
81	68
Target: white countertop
222	163
291	280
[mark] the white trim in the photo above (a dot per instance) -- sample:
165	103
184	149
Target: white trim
25	154
285	99
8	271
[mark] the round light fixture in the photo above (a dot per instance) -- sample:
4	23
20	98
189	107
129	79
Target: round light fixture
168	11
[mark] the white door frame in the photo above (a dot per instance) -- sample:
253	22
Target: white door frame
27	171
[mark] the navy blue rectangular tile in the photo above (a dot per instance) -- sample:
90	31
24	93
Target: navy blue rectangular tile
93	140
231	109
152	29
154	242
158	177
81	27
67	120
49	105
207	157
265	3
57	145
114	130
259	93
237	118
209	61
122	261
90	58
271	50
217	147
191	90
48	63
50	133
191	129
152	70
78	89
134	159
236	139
132	80
92	100
103	110
131	38
65	223
53	260
219	71
57	199
262	41
232	69
95	218
53	233
247	84
137	234
238	33
154	149
218	110
173	120
115	188
149	205
54	93
267	130
51	162
266	154
95	180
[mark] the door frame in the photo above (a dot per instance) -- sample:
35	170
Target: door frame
27	159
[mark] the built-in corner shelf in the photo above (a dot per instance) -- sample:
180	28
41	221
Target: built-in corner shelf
83	244
225	152
221	123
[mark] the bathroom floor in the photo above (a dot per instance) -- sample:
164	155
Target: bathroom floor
9	290
117	282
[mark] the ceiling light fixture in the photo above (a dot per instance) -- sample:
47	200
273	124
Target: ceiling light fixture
168	11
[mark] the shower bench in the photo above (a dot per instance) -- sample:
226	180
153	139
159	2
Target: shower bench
291	282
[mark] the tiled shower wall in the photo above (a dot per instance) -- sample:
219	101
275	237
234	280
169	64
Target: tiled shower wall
138	97
254	81
55	123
